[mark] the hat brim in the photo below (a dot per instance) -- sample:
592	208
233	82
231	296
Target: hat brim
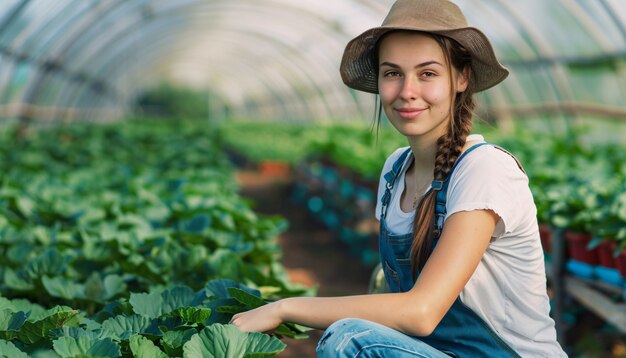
359	71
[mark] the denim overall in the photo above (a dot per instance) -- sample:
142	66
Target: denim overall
461	332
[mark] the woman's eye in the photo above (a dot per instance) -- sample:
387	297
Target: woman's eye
428	74
391	74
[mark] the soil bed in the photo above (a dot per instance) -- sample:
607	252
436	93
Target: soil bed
313	256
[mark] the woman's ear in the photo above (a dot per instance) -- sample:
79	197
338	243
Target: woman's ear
462	79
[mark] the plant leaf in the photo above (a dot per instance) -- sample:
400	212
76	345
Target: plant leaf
11	322
32	332
226	341
16	280
49	262
142	347
9	350
192	314
123	327
173	341
64	288
155	304
86	345
248	299
216	289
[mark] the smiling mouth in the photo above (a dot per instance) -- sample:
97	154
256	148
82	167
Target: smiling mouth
409	113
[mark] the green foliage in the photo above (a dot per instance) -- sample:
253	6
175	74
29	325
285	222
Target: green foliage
9	350
86	346
168	100
144	348
137	227
176	323
577	185
226	341
354	146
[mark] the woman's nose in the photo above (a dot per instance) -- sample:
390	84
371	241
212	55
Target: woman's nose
410	88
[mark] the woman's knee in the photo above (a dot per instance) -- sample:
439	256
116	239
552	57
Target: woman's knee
344	337
352	337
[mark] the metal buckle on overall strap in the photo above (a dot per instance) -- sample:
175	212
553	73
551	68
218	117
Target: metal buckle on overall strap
440	208
437	185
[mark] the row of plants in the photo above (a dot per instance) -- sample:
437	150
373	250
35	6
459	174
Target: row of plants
130	240
580	192
354	147
578	186
335	167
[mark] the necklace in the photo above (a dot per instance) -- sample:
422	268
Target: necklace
419	192
419	189
415	200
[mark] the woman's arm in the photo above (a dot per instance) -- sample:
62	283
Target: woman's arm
417	312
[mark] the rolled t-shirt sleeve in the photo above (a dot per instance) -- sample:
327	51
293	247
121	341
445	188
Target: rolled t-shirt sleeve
488	179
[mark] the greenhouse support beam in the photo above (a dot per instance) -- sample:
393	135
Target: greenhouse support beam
34	112
567	60
573	108
613	14
14	15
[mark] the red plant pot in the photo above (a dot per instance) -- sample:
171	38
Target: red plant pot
275	168
577	247
545	234
605	254
620	260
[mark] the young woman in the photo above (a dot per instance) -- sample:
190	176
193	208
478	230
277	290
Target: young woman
459	241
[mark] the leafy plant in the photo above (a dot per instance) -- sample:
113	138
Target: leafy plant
117	229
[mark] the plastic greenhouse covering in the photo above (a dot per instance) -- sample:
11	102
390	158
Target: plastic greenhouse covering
279	59
148	233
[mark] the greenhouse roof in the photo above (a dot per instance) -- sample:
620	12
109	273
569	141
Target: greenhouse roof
279	59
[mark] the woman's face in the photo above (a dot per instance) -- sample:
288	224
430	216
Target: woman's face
414	84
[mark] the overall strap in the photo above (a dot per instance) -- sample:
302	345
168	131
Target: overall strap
390	178
441	186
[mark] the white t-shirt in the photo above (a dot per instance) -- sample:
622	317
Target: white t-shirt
508	288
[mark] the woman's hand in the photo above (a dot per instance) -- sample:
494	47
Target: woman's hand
261	319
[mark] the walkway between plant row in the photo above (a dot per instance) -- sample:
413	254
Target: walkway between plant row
312	255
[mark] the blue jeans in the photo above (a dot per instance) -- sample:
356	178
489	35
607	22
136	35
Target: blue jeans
353	337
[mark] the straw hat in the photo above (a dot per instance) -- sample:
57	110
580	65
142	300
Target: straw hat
359	70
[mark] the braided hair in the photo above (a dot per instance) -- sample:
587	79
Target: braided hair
449	147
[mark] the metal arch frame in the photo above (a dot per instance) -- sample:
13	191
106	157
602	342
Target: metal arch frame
619	21
588	24
292	69
79	21
33	38
555	61
78	28
42	77
13	15
155	15
103	47
32	94
315	62
266	82
30	25
40	65
58	45
559	77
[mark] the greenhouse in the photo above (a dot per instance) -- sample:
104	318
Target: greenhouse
168	165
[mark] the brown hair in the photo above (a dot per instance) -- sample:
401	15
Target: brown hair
449	148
